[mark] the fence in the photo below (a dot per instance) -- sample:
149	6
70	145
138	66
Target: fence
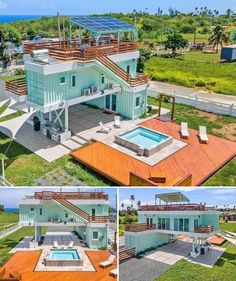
9	230
4	182
202	104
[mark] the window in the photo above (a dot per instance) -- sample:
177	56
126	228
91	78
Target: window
147	221
167	224
62	80
137	102
186	225
32	209
73	80
163	223
159	223
40	211
95	235
176	224
102	79
66	215
128	69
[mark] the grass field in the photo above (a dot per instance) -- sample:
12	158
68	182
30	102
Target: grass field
194	69
231	227
12	240
221	126
8	220
23	167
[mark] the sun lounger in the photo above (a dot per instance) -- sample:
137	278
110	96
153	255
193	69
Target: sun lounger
103	128
203	134
107	263
117	123
113	273
184	130
13	276
55	244
71	244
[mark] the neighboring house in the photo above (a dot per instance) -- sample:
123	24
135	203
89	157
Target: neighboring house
99	70
228	53
161	224
84	212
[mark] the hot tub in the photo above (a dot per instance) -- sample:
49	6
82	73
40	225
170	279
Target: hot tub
63	257
144	141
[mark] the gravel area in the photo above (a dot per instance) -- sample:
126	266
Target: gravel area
141	269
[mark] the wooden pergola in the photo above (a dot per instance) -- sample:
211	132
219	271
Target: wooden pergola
172	98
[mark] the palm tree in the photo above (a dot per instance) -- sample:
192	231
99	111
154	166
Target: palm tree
122	205
219	37
132	199
138	203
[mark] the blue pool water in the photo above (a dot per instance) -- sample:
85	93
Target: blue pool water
144	137
64	255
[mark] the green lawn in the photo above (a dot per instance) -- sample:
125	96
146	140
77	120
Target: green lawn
194	69
23	166
8	219
231	227
12	240
216	125
223	270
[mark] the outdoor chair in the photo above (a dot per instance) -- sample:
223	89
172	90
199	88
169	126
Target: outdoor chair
184	130
103	128
71	244
202	134
55	244
107	263
113	273
117	123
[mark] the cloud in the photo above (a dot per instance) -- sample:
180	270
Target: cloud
3	5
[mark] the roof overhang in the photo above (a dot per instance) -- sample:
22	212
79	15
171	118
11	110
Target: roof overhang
172	197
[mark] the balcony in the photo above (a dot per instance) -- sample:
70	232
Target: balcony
81	51
16	86
139	227
72	195
174	207
204	229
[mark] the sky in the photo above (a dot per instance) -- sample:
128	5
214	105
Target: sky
210	196
73	7
10	197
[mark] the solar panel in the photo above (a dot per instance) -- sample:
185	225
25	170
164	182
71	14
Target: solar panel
102	23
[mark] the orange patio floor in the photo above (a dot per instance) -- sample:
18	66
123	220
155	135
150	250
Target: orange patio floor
25	262
196	161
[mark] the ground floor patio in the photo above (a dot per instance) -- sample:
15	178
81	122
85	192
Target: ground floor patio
193	164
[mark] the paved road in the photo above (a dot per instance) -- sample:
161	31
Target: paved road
184	91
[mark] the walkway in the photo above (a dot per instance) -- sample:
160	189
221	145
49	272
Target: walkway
166	88
9	231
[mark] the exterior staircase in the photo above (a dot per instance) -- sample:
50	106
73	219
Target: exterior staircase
133	82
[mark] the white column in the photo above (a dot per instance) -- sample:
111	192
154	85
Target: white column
66	118
35	234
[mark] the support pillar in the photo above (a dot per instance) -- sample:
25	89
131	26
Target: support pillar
66	118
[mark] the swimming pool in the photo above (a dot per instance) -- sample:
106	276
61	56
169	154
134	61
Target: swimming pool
64	257
144	141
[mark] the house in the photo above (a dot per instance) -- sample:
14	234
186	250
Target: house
86	213
228	53
98	70
162	223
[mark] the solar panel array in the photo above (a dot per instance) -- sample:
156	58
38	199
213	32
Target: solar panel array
102	23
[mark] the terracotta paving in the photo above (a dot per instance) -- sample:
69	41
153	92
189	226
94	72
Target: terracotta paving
216	240
196	159
25	262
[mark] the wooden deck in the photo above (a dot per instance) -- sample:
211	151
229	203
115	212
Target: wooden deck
192	165
25	262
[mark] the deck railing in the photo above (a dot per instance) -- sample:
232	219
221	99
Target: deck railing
125	254
204	229
16	86
73	195
139	227
174	207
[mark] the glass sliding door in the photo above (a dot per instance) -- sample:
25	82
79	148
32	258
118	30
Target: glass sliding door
110	103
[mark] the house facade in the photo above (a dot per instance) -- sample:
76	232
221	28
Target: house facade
162	223
99	70
86	213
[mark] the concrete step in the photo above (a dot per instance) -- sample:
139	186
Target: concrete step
82	137
78	140
70	144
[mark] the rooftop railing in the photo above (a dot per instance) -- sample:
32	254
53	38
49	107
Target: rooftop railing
139	227
174	207
73	195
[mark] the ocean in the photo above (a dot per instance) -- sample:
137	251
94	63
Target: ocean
12	18
11	210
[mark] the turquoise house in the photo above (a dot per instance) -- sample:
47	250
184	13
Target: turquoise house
174	215
86	213
99	69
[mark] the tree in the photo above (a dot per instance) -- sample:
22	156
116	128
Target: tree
175	42
219	37
2	209
145	55
132	199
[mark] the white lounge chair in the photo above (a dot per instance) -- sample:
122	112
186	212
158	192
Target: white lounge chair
55	244
103	128
107	263
184	130
113	272
71	244
117	123
203	134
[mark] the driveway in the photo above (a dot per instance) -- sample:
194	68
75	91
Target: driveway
161	87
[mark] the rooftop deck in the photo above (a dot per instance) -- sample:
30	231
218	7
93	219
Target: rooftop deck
191	165
25	262
174	207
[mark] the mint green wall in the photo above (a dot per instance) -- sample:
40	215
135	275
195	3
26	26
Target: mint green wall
133	66
211	220
145	241
35	87
102	232
101	210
